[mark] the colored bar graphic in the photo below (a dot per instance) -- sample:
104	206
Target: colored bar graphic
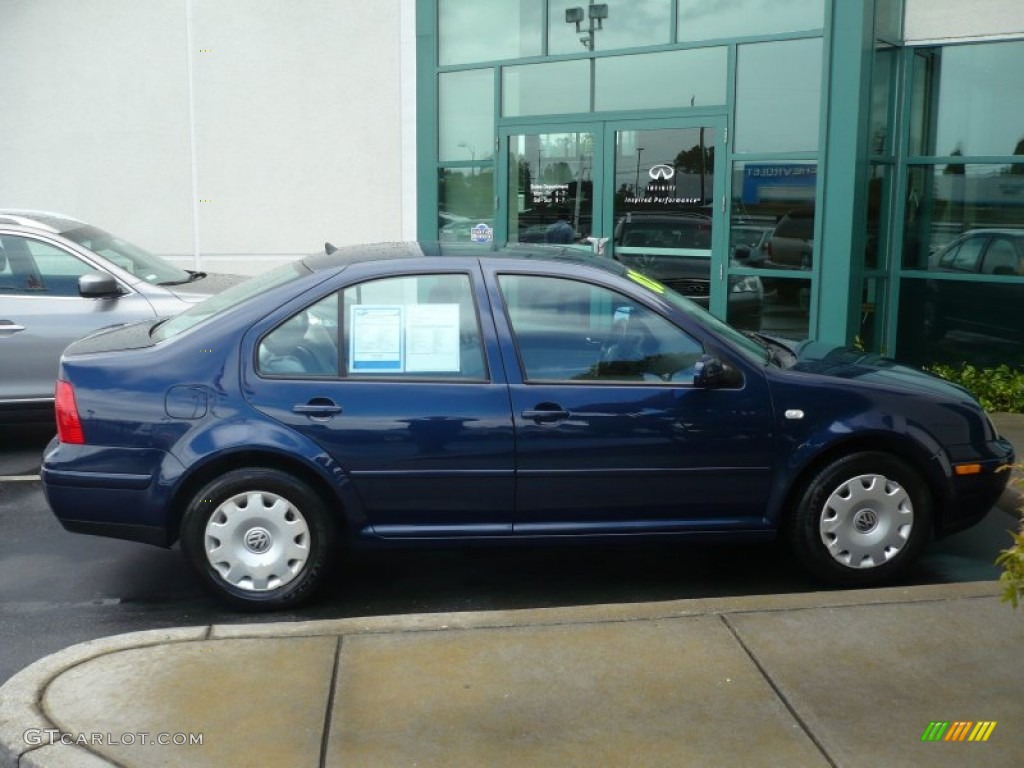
958	730
982	731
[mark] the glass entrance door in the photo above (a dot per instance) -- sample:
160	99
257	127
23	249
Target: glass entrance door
550	186
648	194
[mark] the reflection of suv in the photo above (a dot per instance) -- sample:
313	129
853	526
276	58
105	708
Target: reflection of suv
791	245
989	308
688	274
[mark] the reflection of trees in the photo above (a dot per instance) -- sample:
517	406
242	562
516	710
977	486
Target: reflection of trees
1018	168
557	173
467	192
955	169
692	160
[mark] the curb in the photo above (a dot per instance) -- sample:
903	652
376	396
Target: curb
21	696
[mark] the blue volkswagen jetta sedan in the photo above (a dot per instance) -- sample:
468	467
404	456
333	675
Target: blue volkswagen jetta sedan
425	393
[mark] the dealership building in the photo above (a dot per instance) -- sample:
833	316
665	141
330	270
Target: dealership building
853	170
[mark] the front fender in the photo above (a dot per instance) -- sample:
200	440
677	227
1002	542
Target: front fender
873	431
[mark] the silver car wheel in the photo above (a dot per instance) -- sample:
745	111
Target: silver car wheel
257	541
866	521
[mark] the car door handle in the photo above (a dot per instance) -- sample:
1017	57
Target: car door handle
7	328
318	407
546	412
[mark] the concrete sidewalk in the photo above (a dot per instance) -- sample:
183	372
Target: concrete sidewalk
840	678
850	678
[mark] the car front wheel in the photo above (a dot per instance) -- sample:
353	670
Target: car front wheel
260	538
861	520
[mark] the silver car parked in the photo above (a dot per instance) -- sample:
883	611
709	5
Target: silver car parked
61	279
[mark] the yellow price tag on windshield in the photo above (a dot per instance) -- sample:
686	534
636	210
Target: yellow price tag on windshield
645	281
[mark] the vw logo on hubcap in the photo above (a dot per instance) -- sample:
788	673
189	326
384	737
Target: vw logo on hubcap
865	521
258	540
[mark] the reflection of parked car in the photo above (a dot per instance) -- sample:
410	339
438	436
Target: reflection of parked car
791	245
529	395
754	239
982	307
60	279
688	274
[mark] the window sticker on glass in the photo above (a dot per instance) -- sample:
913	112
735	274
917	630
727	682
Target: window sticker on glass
432	338
375	341
645	281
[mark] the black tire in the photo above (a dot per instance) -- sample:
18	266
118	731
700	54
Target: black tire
260	538
861	520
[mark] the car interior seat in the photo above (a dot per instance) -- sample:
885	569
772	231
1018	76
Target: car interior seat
286	349
630	351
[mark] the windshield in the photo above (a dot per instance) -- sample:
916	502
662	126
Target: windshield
750	348
225	300
128	257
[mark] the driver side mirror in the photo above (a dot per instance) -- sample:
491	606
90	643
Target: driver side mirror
709	372
98	285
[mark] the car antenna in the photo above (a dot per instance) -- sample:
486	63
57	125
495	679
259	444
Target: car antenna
330	248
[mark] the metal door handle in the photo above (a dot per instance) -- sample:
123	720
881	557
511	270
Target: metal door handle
318	407
546	412
7	327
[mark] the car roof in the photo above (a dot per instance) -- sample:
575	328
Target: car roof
52	222
994	231
355	254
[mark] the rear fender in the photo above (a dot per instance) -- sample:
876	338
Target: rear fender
226	445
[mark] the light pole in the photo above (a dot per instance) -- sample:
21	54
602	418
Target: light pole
636	182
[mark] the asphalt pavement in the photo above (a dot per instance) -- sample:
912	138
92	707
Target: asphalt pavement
920	675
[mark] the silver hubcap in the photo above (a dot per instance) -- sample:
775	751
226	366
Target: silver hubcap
866	521
257	541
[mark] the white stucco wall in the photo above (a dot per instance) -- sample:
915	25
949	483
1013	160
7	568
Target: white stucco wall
949	20
251	130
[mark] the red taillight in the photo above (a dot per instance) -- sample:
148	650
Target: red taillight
69	426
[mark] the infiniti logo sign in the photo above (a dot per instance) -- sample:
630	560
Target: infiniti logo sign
661	172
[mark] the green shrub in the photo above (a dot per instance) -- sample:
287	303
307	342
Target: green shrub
1012	561
997	389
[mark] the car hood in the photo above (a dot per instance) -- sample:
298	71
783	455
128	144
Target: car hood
847	363
204	287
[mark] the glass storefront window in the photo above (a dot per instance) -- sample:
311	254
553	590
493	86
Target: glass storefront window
777	199
772	228
952	322
466	115
872	315
877	235
969	100
551	188
778	96
714	19
883	75
465	198
630	24
945	201
540	89
487	30
694	78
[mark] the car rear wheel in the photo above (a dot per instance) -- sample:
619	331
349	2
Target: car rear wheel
260	538
861	520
